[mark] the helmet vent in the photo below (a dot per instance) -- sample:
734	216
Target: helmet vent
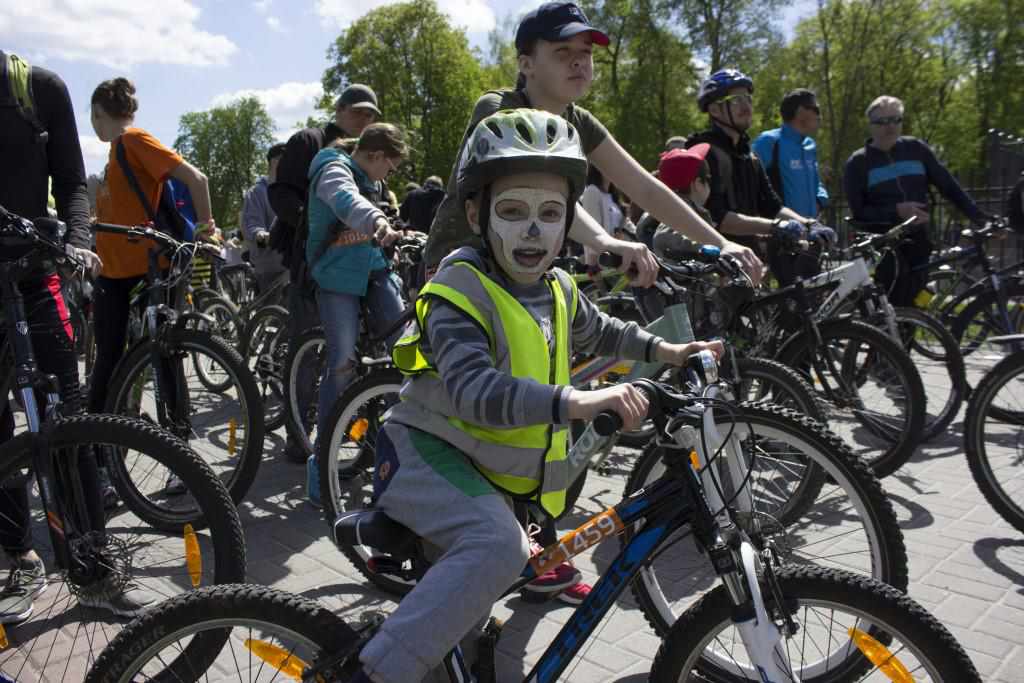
524	132
552	131
494	128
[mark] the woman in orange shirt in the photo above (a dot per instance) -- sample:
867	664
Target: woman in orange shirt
124	263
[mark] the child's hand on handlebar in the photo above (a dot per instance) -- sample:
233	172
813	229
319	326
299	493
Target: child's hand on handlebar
676	354
385	234
625	399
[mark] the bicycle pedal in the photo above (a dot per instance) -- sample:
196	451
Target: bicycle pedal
384	564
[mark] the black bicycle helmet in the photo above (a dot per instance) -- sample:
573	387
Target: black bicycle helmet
719	84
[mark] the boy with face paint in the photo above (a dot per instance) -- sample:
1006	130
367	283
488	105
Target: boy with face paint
484	414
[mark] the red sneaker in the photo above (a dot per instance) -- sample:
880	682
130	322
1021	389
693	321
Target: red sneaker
558	579
575	594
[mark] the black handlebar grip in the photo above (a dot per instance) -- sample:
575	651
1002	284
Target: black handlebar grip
609	260
607	423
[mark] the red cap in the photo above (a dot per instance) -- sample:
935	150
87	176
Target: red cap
678	167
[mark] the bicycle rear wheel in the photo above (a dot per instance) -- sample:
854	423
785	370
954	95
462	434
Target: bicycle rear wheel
265	350
844	523
827	606
982	318
346	458
62	636
224	427
302	373
873	394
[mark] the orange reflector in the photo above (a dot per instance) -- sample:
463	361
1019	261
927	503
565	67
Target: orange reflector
3	638
193	556
879	655
232	440
694	460
358	429
279	658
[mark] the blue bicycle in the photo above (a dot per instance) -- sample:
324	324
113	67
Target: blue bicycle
764	622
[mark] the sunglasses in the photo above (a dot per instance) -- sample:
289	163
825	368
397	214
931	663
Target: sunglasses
738	99
887	120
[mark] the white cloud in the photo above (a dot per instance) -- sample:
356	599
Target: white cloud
287	103
262	6
115	34
275	25
476	16
95	152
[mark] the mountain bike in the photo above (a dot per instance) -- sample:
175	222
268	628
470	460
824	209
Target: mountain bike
173	359
89	557
764	622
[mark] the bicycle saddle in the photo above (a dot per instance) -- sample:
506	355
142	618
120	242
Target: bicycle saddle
373	528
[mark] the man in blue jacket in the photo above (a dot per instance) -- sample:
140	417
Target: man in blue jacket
887	182
790	156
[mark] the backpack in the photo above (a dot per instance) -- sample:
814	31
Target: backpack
1014	210
167	218
16	91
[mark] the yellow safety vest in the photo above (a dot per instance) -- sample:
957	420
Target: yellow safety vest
524	352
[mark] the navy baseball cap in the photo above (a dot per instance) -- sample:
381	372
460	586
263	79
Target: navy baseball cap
358	96
555	21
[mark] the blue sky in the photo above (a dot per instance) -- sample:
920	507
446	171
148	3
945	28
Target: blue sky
188	55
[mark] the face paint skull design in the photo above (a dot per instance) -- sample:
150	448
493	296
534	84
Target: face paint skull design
527	228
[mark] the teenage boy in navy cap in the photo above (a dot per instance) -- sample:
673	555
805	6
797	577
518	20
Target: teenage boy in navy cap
556	68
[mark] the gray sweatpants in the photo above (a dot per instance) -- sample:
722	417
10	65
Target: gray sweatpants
432	488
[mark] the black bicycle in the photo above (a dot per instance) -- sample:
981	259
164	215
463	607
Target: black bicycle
90	557
177	374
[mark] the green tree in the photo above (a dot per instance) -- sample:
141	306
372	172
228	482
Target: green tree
729	32
229	145
423	71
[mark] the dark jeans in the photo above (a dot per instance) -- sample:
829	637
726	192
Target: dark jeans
53	346
895	271
110	308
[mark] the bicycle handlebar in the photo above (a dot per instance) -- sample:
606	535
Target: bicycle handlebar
702	368
161	238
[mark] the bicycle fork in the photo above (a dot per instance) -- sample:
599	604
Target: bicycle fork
733	556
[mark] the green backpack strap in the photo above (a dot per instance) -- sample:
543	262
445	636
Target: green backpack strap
17	76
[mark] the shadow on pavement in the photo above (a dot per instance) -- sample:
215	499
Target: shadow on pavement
987	550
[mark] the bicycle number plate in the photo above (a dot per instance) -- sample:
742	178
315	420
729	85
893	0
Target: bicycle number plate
575	542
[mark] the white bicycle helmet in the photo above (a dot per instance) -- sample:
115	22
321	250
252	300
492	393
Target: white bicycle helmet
522	141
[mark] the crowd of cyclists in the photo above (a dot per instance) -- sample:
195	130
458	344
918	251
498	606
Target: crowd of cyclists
486	407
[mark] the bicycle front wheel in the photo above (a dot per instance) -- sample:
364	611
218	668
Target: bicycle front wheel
224	427
846	522
62	635
983	317
849	628
269	631
994	435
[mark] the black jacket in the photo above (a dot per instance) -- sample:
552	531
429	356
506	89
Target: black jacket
876	181
28	160
738	180
420	206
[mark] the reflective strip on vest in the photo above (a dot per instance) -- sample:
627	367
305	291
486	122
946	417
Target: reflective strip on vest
527	355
